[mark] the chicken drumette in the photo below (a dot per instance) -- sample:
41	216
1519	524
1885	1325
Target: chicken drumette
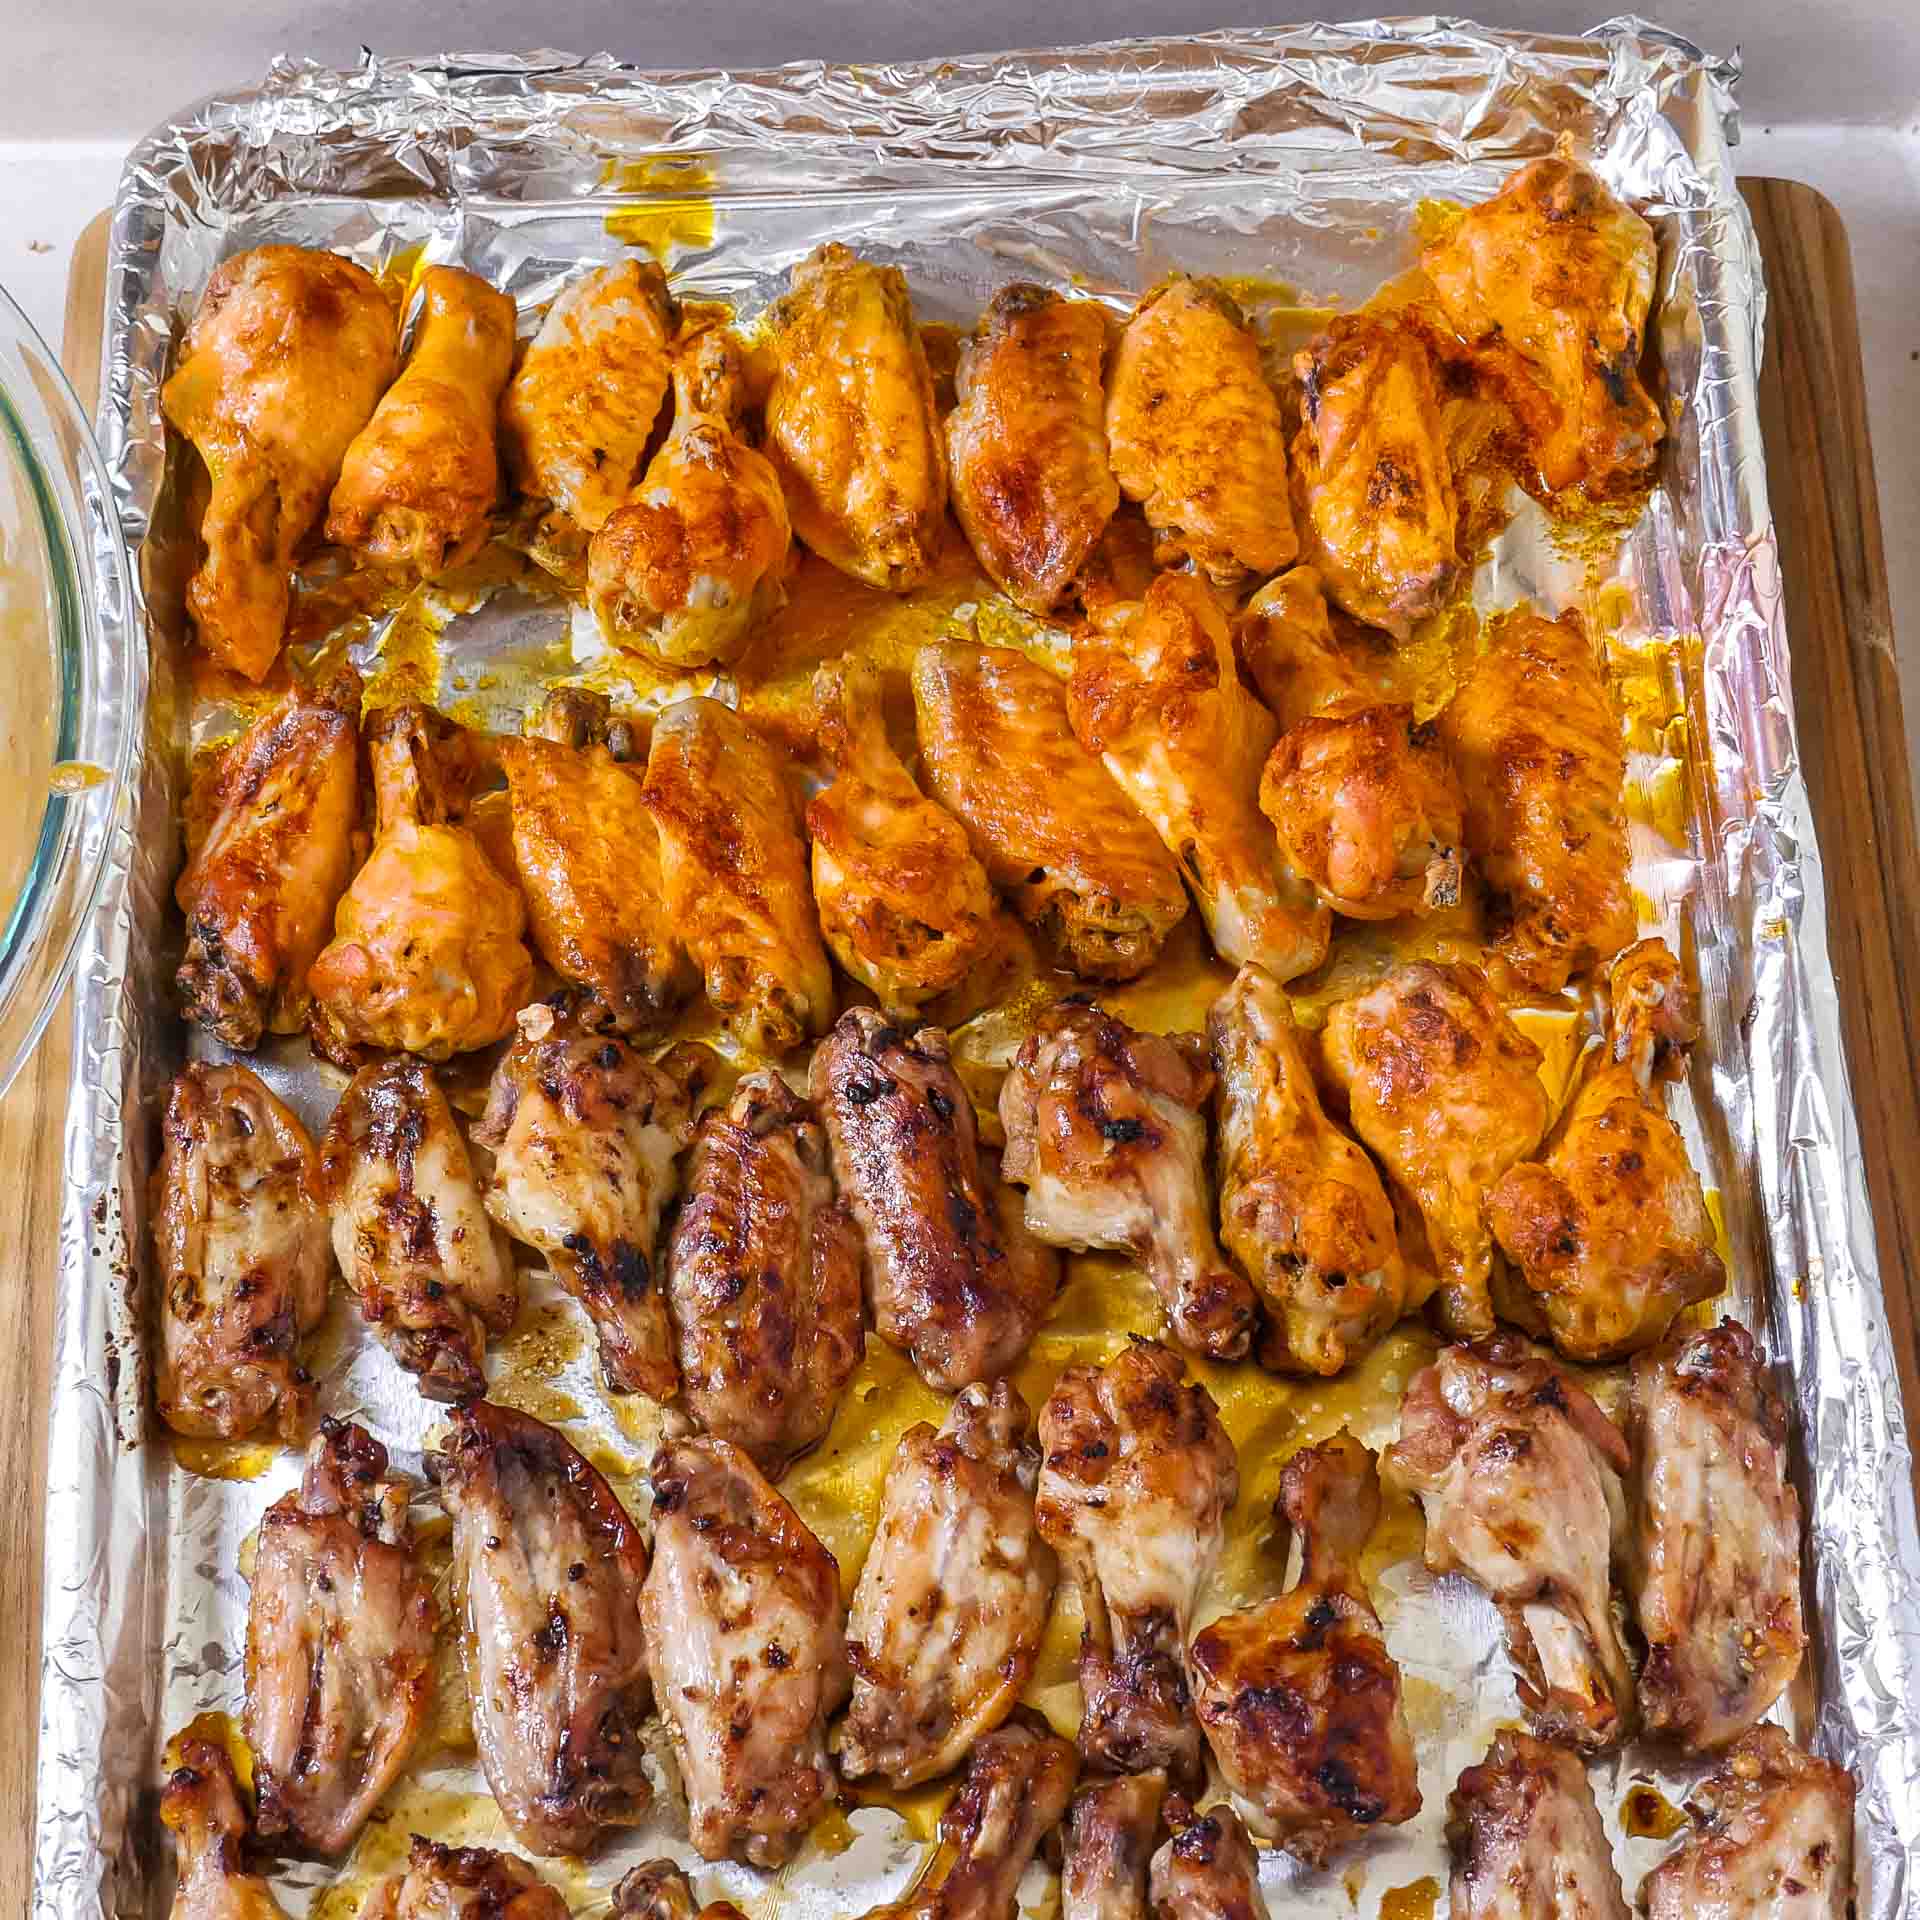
1110	1832
658	1890
1208	1870
200	1806
463	1883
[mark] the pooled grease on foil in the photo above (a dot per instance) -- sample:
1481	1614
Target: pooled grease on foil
1296	162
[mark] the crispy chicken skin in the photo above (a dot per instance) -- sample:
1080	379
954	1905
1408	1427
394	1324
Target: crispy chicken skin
658	1890
1526	1838
1156	693
1284	641
200	1806
1446	1090
1208	1870
1136	1477
429	1269
903	902
1297	1695
426	953
744	1631
1549	283
585	1132
1302	1208
1535	740
287	356
954	1276
1776	1844
241	1255
683	570
1715	1565
1194	433
763	1277
1610	1232
1518	1472
1028	444
340	1632
1048	822
1106	1129
463	1883
953	1598
423	474
734	868
551	1568
259	891
850	421
1110	1832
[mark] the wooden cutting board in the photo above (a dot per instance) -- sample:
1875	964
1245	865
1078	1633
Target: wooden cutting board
1852	736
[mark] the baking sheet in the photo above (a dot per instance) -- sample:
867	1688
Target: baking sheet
1296	158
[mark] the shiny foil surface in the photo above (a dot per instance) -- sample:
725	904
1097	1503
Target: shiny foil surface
1296	161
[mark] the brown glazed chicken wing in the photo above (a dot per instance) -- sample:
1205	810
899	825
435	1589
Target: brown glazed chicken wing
463	1883
1136	1477
1110	1832
259	892
1208	1870
658	1890
1518	1473
1194	433
1284	641
744	1631
200	1806
955	1278
289	352
240	1251
551	1567
1055	833
1106	1129
340	1630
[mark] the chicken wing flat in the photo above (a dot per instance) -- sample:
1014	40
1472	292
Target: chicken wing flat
1208	1870
1777	1842
1107	1131
551	1569
1028	443
1446	1090
744	1630
903	902
1110	1832
1518	1472
1549	283
422	477
1155	692
287	356
1715	1568
658	1890
1536	743
259	891
734	868
1136	1477
1194	433
1526	1838
850	421
463	1883
1048	822
340	1632
200	1806
953	1598
241	1252
763	1276
429	1269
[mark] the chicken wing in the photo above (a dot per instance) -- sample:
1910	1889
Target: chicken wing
1194	433
1110	1834
340	1633
1536	743
1136	1477
1518	1472
1028	443
240	1249
429	1269
200	1806
903	903
1297	1695
287	356
1284	641
851	429
744	1626
463	1883
259	891
1447	1091
1715	1569
422	476
1549	283
658	1890
1106	1129
551	1568
734	869
1155	692
1208	1870
1046	819
954	1277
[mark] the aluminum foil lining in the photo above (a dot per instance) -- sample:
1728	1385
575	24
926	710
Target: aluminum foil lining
1295	155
